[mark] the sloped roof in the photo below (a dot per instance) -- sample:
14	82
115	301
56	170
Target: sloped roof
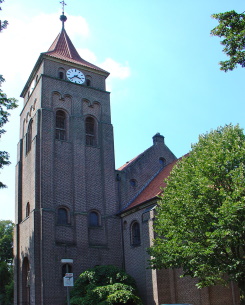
63	48
128	163
154	188
124	166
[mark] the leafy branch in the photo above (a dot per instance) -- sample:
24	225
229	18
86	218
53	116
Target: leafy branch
232	29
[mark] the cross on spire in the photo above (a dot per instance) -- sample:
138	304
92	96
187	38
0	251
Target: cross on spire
63	18
63	6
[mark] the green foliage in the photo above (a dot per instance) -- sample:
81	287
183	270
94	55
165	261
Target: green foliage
232	28
6	104
6	241
200	220
104	285
9	293
6	262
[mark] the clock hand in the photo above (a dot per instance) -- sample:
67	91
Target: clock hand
74	76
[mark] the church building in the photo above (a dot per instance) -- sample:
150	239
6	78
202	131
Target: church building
74	210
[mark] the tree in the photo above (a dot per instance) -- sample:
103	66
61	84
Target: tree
3	24
6	104
200	221
6	262
232	28
104	285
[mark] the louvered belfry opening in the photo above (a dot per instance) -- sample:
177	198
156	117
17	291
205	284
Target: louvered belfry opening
90	131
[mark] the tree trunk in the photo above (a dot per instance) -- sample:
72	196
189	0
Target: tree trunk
241	285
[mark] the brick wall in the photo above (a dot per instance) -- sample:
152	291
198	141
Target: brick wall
142	169
69	174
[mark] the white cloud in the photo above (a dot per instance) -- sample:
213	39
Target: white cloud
77	25
116	69
87	55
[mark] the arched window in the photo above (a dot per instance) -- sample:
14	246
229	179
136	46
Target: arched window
29	137
133	182
60	131
90	131
94	219
88	80
27	209
61	73
162	161
63	217
135	234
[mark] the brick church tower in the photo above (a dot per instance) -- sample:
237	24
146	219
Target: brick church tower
65	201
73	209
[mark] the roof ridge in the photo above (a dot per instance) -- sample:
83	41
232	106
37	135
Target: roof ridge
68	47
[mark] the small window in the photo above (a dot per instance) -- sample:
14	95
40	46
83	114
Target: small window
60	132
29	137
133	182
135	234
94	219
27	209
162	161
61	75
88	80
63	216
66	268
90	131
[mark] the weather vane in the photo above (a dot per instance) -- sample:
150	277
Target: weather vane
63	6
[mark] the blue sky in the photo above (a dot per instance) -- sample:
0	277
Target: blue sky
164	69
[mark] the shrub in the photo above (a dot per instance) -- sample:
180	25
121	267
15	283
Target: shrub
104	285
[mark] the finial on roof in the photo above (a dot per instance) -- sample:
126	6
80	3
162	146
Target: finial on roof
63	18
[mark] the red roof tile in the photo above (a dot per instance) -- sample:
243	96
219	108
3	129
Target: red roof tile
154	188
63	48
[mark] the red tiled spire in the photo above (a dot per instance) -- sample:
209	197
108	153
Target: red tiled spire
63	48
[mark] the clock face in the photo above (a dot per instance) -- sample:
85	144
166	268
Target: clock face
75	76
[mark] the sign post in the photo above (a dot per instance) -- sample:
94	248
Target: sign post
68	278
